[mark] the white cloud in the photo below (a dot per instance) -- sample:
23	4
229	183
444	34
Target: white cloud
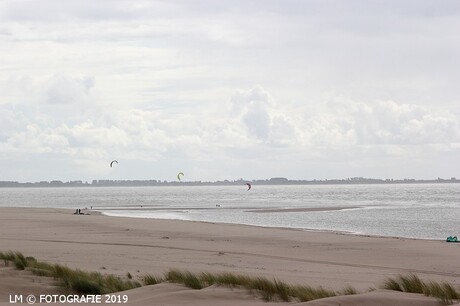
166	83
259	129
35	140
391	123
262	116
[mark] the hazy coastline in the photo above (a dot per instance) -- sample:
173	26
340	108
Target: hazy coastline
271	181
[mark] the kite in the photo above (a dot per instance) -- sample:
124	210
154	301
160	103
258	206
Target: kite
249	186
179	174
111	163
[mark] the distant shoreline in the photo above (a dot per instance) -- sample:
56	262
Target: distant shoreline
269	182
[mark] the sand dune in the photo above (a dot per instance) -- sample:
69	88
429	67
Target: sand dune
171	294
15	282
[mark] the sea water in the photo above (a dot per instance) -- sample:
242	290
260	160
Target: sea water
426	211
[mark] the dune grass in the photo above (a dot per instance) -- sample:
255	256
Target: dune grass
82	282
268	289
75	280
149	279
444	292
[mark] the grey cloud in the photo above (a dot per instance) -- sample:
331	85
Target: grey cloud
11	121
55	10
63	89
257	120
252	106
5	32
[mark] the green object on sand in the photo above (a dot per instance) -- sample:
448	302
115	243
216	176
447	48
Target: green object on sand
452	239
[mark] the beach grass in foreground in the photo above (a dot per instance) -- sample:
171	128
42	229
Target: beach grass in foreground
83	282
269	289
78	281
445	292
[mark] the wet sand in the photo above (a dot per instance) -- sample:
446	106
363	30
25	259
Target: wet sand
301	209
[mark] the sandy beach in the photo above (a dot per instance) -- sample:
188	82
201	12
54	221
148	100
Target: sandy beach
118	245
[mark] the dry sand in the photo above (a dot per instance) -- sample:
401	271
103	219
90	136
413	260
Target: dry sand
138	246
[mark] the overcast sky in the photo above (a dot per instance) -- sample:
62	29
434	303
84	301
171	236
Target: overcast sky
247	89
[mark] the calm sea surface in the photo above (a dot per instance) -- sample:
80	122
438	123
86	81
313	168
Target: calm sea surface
427	211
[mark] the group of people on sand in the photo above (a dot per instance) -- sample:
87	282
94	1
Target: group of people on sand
78	211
